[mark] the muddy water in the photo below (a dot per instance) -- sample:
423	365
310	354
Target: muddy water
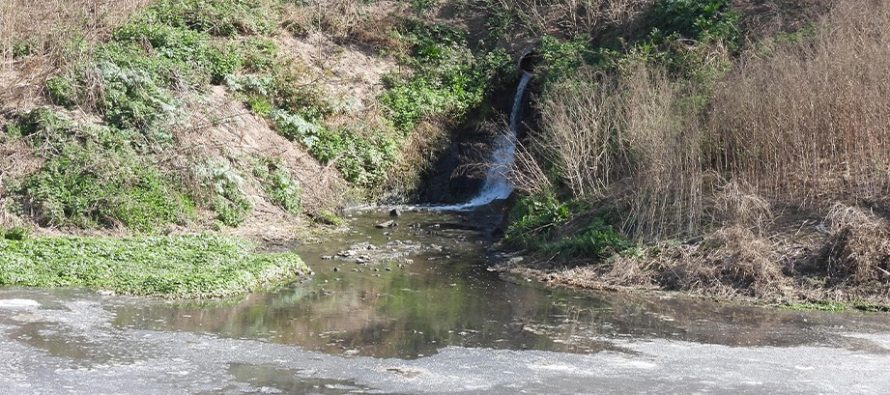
412	309
416	288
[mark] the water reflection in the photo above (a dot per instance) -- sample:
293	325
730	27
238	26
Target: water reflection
446	297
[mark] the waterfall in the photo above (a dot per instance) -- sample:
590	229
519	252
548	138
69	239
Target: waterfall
496	185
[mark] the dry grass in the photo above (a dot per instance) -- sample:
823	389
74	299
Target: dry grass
626	139
569	17
51	30
858	248
805	125
800	124
808	123
365	23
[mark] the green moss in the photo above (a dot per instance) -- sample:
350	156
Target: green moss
815	306
176	266
325	217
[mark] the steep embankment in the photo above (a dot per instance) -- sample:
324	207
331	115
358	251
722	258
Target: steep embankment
247	118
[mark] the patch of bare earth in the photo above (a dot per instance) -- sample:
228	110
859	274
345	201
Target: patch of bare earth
350	78
219	126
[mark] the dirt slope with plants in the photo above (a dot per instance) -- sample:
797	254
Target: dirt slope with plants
220	120
251	117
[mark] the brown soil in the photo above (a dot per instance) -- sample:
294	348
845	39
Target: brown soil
221	127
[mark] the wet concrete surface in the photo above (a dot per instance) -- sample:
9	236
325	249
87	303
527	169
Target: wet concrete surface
420	314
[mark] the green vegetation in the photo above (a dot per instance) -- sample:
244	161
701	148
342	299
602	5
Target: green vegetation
223	186
815	306
537	225
15	233
102	175
93	177
590	94
448	77
279	185
702	20
83	186
327	218
179	267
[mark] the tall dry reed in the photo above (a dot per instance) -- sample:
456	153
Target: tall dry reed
626	139
809	123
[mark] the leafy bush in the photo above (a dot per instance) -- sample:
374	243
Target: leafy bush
533	216
361	159
16	233
596	241
259	54
537	222
223	186
217	17
87	186
62	91
190	53
133	98
448	78
280	186
561	58
697	19
37	120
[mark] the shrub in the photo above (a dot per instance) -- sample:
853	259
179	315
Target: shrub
38	120
62	91
448	78
87	186
280	186
703	20
806	123
361	159
217	17
539	222
189	53
222	185
15	233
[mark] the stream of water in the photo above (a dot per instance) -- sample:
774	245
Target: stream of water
414	308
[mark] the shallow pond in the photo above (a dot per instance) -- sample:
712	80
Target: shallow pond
413	309
409	290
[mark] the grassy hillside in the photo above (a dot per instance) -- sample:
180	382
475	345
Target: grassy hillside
252	118
248	114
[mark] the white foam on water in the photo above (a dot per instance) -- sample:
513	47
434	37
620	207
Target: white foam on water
16	304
